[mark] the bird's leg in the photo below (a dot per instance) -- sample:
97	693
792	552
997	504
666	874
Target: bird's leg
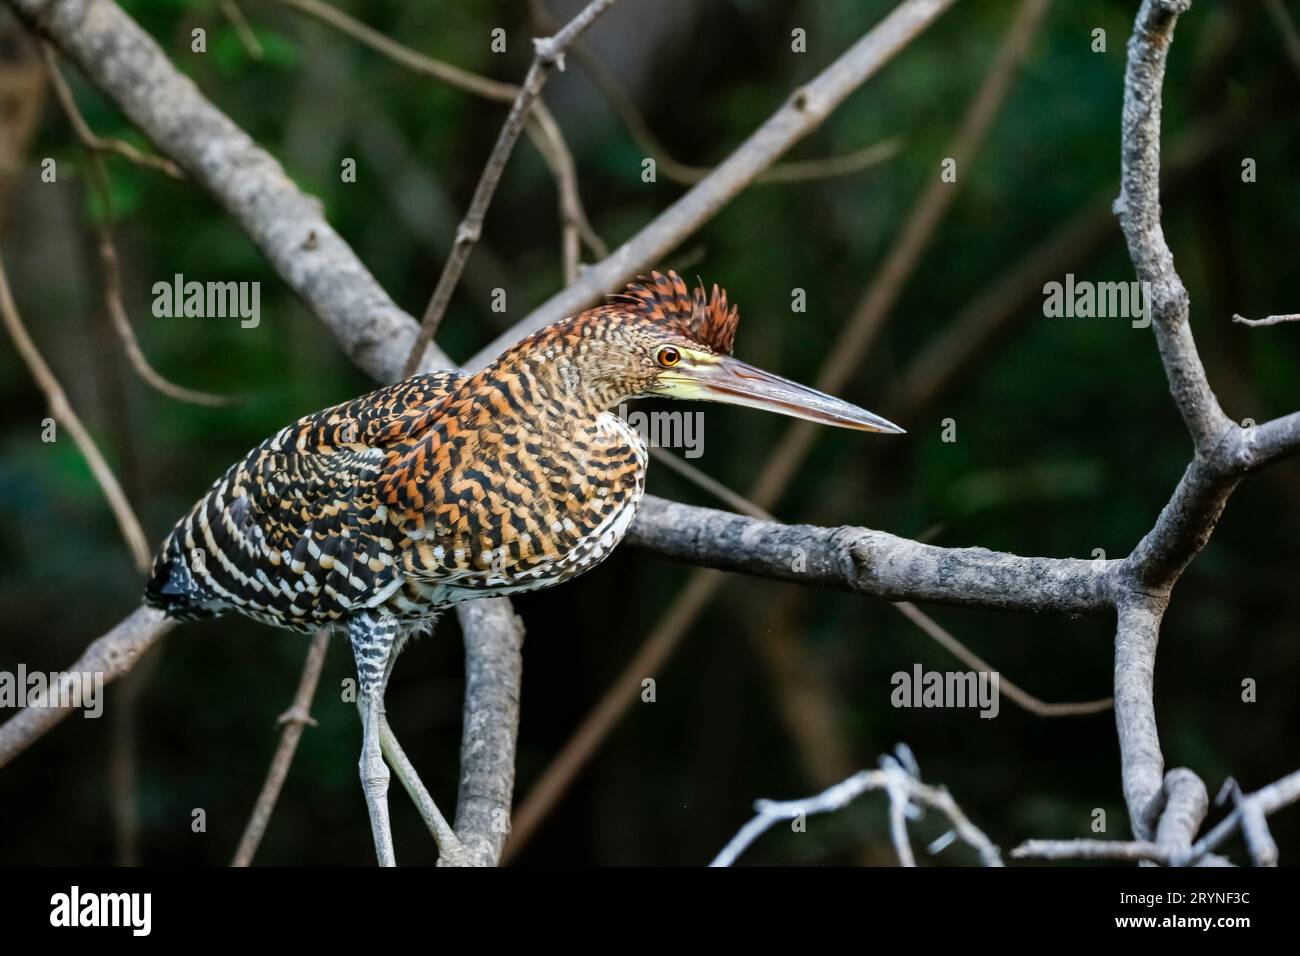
372	638
451	851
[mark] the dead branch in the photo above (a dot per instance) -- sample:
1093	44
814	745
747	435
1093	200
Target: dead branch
64	414
549	55
899	778
793	171
1267	320
113	654
805	110
108	249
293	720
541	126
286	224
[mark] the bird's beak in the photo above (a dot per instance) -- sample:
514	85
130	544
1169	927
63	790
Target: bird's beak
733	382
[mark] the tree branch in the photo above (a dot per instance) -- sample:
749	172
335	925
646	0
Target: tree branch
294	720
94	146
900	781
872	562
549	55
542	128
286	224
803	112
112	655
1267	320
494	637
794	171
1138	207
64	414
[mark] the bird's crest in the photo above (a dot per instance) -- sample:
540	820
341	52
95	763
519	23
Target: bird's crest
665	299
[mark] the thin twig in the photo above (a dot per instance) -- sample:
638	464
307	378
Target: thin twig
802	170
108	251
542	128
928	625
1250	809
902	786
549	55
804	111
576	229
252	45
89	138
914	238
444	72
293	721
63	413
1090	850
1267	320
1020	697
1016	295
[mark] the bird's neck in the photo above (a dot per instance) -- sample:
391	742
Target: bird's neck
546	390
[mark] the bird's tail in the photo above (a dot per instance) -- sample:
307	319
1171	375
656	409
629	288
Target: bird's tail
173	587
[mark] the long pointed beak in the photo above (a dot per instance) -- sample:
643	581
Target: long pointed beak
733	382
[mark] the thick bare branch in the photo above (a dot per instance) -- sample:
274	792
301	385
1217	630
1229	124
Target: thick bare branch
494	637
1142	764
1168	808
872	562
1138	207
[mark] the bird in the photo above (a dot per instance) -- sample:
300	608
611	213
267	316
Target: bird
375	515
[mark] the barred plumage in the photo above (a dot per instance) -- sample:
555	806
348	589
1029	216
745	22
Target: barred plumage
379	512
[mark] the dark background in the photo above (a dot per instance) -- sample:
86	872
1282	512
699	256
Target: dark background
1067	438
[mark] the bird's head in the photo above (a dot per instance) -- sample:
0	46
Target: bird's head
660	339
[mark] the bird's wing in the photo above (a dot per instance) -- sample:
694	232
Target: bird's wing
294	534
492	503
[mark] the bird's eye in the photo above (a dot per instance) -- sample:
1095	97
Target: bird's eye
668	356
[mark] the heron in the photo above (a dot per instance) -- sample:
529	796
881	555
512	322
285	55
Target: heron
377	514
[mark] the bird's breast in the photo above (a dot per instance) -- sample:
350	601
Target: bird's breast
529	510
